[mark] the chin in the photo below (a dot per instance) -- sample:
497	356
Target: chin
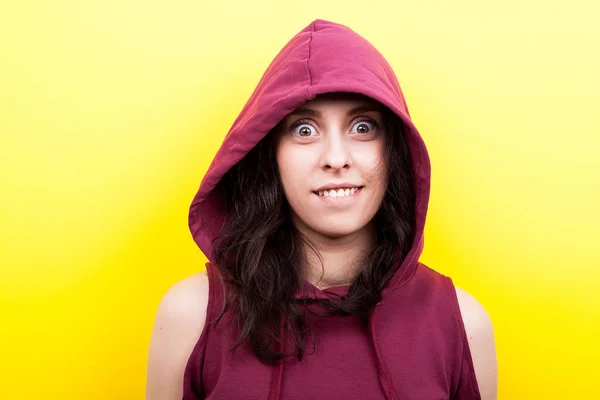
337	230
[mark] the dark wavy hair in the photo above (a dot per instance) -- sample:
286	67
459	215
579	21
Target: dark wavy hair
259	252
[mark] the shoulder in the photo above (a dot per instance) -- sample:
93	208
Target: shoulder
185	298
178	324
183	307
480	335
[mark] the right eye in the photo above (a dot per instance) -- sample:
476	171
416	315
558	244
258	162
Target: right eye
303	128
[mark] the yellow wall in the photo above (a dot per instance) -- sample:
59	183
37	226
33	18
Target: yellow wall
110	112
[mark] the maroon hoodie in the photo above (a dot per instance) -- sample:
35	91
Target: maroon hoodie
414	346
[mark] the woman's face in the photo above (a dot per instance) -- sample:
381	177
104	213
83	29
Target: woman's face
330	158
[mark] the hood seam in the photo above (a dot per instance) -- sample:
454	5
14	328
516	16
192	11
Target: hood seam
308	59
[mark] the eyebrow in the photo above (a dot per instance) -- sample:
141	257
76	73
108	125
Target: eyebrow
316	113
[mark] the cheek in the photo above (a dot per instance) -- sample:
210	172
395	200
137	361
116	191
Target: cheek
292	165
372	164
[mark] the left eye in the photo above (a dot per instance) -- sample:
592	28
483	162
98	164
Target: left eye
364	127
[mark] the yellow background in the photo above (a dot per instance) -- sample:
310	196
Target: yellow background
110	112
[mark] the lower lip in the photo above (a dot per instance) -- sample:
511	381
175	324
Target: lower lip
342	198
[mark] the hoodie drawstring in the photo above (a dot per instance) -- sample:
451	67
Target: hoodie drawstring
277	373
382	372
384	376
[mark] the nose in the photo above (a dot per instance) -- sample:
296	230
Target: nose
335	154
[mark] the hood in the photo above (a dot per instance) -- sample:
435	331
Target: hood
321	58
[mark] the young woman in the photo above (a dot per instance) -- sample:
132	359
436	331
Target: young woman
312	216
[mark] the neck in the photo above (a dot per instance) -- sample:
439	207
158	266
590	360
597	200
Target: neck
338	259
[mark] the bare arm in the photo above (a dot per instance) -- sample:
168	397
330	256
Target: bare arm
179	320
480	333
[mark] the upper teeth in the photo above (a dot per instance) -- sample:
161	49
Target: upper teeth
337	192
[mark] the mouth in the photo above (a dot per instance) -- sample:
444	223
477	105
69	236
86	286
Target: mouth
339	193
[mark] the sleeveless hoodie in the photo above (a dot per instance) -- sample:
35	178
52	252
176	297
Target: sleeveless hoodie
414	345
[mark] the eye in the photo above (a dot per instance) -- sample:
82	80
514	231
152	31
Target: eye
303	128
365	126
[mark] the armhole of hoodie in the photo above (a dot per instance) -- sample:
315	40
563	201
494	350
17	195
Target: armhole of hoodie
467	388
192	381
